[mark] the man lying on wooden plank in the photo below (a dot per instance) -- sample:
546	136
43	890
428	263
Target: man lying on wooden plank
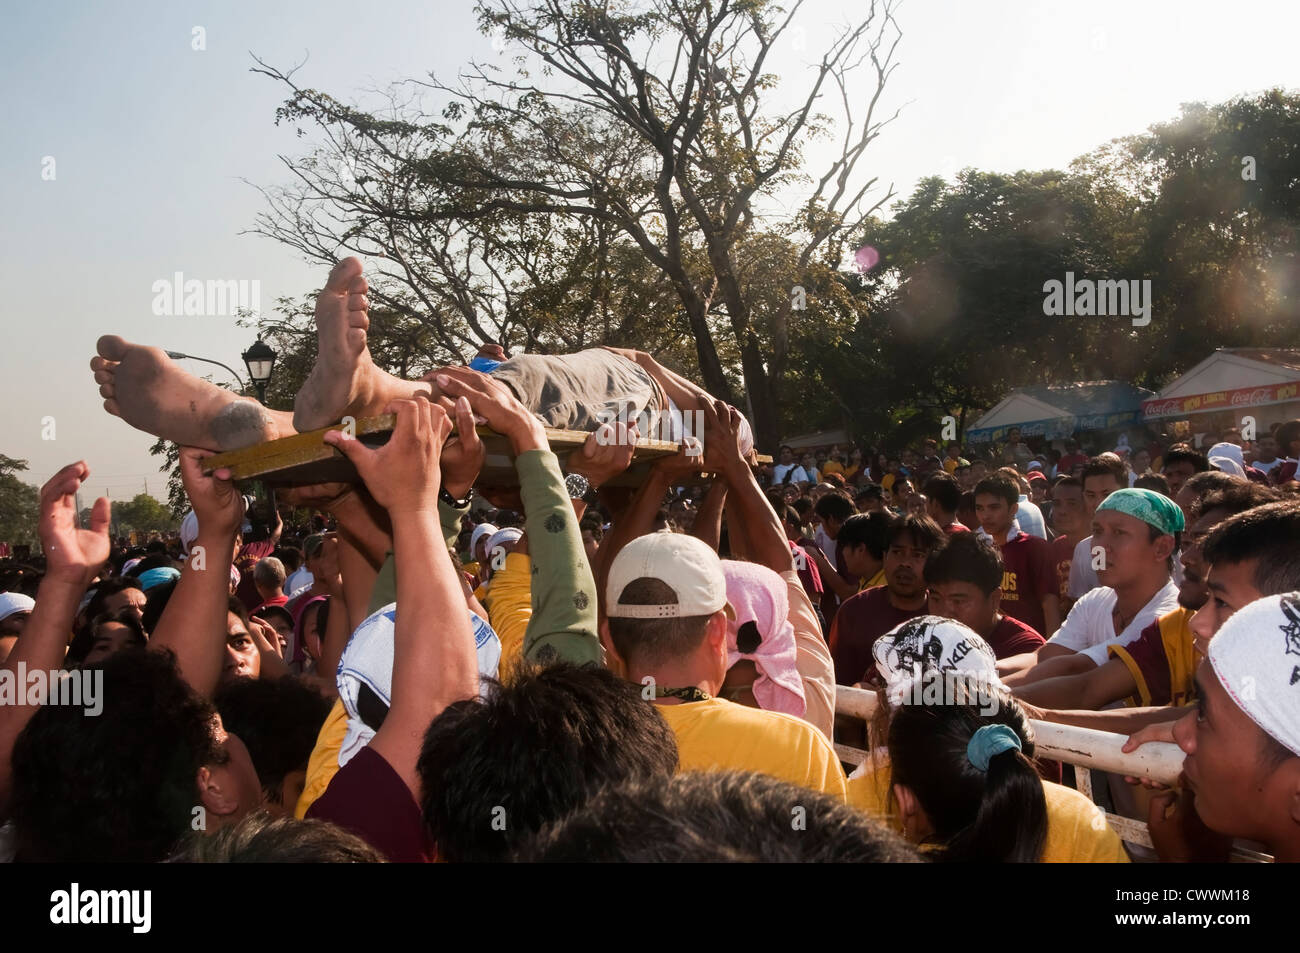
567	392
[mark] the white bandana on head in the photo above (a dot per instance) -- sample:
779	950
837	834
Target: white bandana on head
1256	656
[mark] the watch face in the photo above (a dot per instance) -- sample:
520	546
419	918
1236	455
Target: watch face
577	485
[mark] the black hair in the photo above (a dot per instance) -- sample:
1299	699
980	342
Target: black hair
869	529
155	602
654	641
84	640
133	767
106	588
493	771
277	720
999	486
156	561
998	815
1237	497
871	491
834	506
1269	534
966	558
1186	455
944	490
802	506
260	838
1154	482
730	816
1104	464
1072	481
1287	434
924	531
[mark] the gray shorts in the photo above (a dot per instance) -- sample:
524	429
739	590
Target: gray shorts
584	390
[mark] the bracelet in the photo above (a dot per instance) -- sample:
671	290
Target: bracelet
455	504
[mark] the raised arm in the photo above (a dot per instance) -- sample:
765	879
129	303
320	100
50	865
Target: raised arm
193	626
434	660
765	537
563	622
72	557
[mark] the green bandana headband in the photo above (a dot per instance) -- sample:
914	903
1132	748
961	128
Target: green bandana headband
1154	509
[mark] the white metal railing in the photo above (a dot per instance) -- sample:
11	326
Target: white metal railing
1085	748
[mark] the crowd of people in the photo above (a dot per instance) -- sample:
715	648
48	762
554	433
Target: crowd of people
417	666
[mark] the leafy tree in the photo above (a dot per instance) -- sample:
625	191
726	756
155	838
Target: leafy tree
632	151
20	504
142	513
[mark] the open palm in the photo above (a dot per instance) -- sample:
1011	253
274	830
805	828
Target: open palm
71	551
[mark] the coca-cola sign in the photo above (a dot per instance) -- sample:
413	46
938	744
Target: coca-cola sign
1217	400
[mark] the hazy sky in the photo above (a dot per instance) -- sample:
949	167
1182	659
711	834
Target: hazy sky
152	140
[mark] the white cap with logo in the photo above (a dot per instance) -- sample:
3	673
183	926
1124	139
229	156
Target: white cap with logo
685	564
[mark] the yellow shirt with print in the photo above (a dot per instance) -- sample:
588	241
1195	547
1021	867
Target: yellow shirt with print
1077	832
718	735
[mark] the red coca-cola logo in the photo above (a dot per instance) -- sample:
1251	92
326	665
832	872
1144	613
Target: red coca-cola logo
1164	408
1243	398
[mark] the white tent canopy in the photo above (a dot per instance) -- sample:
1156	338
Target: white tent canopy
1231	378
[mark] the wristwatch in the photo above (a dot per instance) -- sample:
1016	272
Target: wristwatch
451	501
577	485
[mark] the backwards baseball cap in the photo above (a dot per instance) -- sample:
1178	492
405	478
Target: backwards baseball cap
685	564
12	603
1154	509
1256	656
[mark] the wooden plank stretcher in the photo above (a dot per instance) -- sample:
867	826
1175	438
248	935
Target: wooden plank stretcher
304	458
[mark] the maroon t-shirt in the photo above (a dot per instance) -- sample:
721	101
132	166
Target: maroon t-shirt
368	798
1028	574
248	556
1062	556
1012	637
861	620
956	527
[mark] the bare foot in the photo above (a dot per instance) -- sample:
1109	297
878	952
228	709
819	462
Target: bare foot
345	381
341	381
148	390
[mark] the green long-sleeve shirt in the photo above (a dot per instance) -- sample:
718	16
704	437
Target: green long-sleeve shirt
563	623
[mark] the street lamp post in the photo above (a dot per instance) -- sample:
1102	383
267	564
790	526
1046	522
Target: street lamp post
260	361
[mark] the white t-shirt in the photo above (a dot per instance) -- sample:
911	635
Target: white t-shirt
1030	517
1083	578
825	543
781	469
298	580
1089	629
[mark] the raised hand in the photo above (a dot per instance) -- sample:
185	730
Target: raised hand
217	504
463	454
722	438
606	453
403	475
71	553
493	401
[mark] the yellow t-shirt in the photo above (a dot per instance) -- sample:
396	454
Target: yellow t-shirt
1164	668
887	482
1077	832
324	761
509	606
718	735
877	580
833	467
